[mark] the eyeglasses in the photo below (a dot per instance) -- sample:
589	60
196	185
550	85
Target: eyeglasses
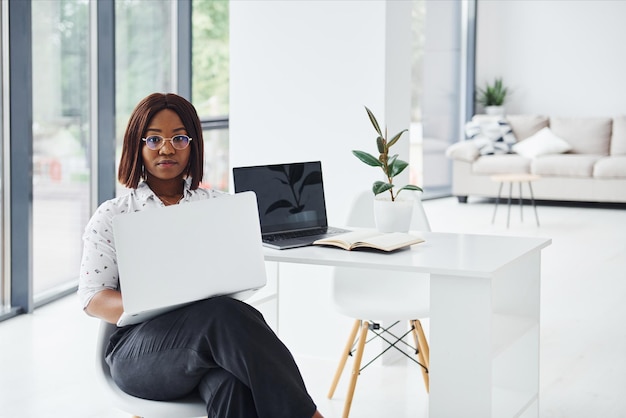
156	142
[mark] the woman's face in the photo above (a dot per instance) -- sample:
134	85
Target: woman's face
166	163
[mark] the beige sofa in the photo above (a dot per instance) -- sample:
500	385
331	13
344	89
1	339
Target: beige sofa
593	169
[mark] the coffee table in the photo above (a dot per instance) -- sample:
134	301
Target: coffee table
518	178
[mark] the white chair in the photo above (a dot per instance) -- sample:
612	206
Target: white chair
188	407
383	297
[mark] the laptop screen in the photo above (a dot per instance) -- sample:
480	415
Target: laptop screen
290	196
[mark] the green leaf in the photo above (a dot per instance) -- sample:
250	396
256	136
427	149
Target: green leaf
367	158
411	187
395	138
380	187
397	167
374	121
380	143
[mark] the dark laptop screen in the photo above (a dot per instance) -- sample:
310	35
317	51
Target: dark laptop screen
290	196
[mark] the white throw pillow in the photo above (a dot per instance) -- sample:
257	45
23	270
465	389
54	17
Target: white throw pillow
541	143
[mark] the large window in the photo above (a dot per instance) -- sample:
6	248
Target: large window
65	155
210	58
437	91
143	57
418	14
210	85
60	57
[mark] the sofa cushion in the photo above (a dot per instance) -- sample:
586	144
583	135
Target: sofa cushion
610	167
541	143
524	126
501	164
564	165
618	140
585	135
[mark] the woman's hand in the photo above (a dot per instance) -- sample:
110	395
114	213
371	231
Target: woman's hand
106	305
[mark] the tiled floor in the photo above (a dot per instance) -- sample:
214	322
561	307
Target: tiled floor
45	357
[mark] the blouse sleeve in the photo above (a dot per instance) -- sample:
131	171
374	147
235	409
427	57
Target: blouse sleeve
98	269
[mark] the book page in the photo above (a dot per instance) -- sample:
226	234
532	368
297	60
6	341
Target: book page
372	239
391	240
351	237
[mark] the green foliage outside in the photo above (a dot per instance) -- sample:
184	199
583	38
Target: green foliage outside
143	49
210	62
144	55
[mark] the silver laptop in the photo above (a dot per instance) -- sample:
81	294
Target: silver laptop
172	256
291	202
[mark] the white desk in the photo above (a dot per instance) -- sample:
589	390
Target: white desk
484	323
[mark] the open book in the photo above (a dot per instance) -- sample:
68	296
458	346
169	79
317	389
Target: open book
383	241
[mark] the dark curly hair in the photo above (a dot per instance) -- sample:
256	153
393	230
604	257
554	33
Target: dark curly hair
131	168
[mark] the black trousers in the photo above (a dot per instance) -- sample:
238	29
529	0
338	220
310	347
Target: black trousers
221	347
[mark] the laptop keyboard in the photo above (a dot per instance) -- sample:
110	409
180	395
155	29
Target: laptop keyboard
300	234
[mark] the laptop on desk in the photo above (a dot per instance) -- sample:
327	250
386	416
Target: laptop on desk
169	257
292	209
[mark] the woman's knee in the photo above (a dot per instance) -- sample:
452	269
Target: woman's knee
226	396
221	320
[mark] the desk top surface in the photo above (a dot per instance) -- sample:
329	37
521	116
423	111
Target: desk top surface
440	253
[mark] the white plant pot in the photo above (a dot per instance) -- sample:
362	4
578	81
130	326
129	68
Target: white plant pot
393	216
494	110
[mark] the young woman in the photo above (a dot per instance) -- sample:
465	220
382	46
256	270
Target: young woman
220	346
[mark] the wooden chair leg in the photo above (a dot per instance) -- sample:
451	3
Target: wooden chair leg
423	342
423	351
355	369
344	357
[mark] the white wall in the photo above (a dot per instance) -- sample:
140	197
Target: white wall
301	72
562	58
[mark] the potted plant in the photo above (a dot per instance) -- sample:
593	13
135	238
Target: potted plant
492	97
396	216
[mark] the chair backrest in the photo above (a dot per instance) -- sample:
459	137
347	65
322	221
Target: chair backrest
381	294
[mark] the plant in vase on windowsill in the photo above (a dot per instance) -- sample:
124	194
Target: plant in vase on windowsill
392	214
